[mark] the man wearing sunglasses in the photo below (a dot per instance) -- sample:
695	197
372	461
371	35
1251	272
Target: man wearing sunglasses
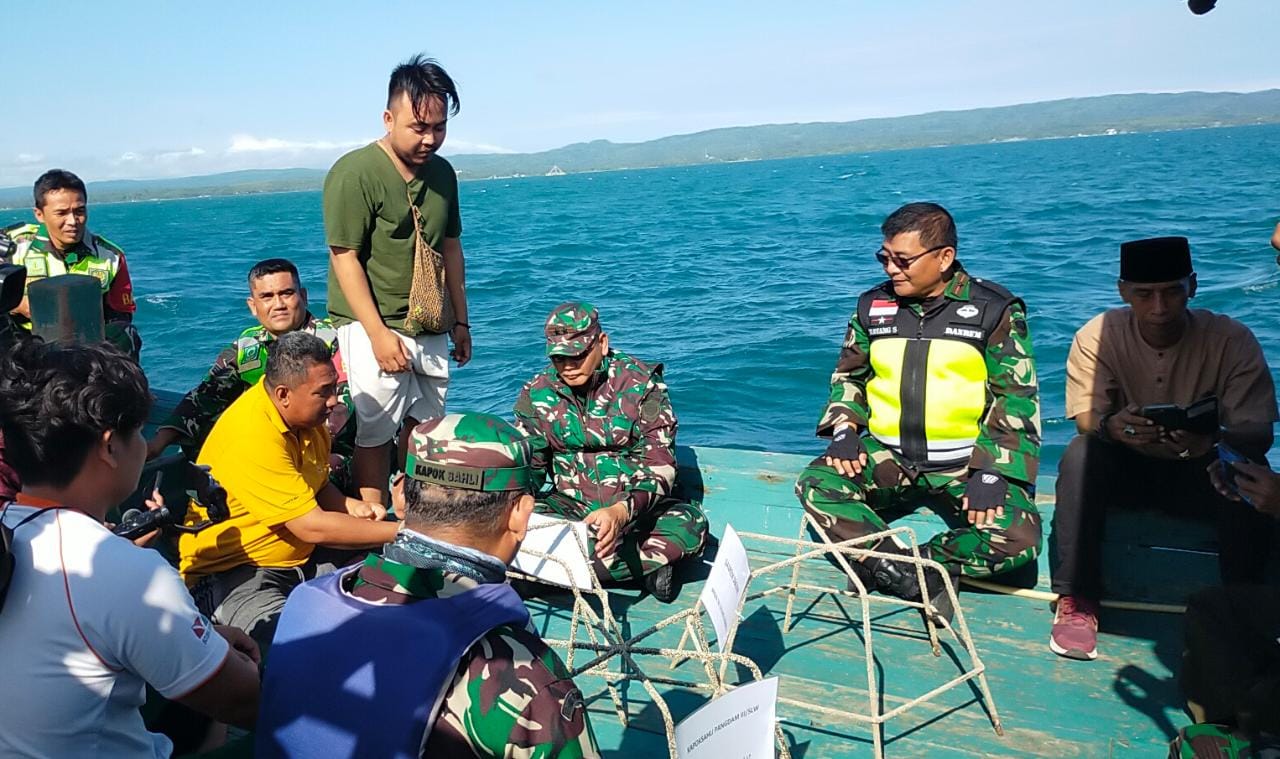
602	427
934	398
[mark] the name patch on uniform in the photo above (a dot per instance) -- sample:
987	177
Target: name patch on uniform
969	334
877	331
449	476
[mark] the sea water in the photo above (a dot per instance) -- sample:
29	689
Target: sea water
740	278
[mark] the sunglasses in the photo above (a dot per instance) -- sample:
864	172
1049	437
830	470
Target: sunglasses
884	257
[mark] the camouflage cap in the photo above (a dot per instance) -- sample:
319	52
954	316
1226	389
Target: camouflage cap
469	451
571	328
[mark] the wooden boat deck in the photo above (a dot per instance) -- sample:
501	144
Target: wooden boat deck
1125	703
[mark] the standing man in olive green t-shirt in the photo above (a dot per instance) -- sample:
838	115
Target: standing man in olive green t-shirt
396	372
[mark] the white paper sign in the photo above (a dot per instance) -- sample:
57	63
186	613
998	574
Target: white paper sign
738	725
725	584
555	540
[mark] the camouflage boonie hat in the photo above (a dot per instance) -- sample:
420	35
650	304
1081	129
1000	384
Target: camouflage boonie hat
471	452
571	328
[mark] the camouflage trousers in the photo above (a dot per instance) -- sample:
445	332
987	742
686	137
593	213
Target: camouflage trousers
673	530
852	507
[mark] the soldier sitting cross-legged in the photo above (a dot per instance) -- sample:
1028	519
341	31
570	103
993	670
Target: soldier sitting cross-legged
602	427
934	396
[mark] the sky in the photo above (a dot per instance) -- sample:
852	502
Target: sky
133	89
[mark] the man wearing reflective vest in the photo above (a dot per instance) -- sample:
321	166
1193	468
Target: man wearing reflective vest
934	398
278	301
425	650
60	243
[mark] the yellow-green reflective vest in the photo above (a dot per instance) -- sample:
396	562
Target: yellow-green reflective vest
928	390
98	258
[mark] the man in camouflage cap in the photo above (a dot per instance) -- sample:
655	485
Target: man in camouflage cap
602	427
934	397
432	621
278	301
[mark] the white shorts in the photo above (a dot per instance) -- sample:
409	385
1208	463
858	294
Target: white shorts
383	400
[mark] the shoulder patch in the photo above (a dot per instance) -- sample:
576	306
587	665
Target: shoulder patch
651	406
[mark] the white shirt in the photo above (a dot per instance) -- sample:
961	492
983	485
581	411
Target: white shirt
89	619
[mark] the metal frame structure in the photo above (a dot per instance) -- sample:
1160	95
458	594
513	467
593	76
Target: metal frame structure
855	549
606	640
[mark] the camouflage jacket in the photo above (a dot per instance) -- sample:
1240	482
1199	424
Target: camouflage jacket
511	697
1009	430
616	442
238	367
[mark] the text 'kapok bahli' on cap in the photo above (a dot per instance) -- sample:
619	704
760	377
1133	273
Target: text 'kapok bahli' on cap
470	451
572	328
1158	259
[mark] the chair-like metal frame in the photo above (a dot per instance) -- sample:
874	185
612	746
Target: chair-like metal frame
605	639
841	553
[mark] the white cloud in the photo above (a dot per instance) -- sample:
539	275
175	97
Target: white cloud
462	146
25	159
247	143
176	155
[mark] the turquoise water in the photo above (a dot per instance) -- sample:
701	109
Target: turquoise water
741	277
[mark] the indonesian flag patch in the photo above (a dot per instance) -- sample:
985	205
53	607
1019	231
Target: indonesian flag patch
883	308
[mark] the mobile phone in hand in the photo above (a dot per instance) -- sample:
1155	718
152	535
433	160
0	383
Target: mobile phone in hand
1226	457
1168	415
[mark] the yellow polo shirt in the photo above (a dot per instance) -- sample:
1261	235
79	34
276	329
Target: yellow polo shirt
271	474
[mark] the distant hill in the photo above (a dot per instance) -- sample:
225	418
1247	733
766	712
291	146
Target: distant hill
1030	121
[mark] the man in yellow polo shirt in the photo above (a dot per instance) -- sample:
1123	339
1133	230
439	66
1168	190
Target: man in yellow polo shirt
270	450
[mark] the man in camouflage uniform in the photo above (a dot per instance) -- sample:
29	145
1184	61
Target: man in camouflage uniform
432	620
934	396
602	427
278	301
60	243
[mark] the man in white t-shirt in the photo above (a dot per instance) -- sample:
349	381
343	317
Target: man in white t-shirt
88	618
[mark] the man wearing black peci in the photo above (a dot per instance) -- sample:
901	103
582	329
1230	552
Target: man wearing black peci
1154	387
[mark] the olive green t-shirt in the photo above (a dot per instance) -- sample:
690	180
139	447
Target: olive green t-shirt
366	209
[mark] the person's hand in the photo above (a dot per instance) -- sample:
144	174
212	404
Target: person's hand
156	501
608	523
1259	485
374	512
846	454
461	336
1219	484
1182	444
240	642
392	355
984	496
1128	428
